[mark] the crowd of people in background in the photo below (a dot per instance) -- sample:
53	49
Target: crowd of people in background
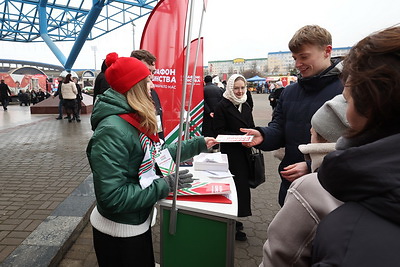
69	93
25	97
28	97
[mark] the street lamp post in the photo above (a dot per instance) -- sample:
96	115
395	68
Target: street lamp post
133	33
94	49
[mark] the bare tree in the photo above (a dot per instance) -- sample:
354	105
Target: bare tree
250	73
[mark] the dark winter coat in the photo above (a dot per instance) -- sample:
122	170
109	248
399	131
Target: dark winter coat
157	104
41	96
100	83
58	92
34	98
291	123
212	95
250	99
24	98
228	120
365	231
5	91
274	96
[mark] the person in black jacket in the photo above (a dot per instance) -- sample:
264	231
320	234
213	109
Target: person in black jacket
23	98
212	95
61	103
250	99
79	99
41	95
100	83
319	82
275	94
232	113
364	170
5	94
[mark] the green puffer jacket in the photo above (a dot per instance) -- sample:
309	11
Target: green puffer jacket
115	154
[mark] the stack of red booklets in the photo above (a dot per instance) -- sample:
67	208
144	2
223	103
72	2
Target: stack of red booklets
205	192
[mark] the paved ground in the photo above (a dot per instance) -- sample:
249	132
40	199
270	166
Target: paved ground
43	164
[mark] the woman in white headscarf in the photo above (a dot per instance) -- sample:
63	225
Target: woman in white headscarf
232	113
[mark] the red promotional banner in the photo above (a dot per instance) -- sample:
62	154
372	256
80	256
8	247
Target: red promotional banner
171	126
197	101
164	36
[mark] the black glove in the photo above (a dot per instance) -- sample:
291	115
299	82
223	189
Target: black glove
185	180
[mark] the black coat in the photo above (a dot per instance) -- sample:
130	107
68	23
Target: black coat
157	104
212	95
4	91
364	173
291	122
100	83
352	235
250	99
41	96
58	92
228	120
274	96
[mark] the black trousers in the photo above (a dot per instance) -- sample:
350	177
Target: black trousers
123	251
71	108
285	184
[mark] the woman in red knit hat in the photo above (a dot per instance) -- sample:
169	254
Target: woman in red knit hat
121	155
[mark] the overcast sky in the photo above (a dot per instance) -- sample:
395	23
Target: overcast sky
239	29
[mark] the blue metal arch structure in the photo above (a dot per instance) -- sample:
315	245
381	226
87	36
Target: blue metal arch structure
67	20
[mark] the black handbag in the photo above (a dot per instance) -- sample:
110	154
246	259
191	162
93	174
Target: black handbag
257	167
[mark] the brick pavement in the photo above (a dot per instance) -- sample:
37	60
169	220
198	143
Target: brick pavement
264	208
42	162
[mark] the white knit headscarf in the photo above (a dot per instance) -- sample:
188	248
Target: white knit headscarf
230	95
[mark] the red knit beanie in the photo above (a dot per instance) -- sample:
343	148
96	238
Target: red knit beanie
124	72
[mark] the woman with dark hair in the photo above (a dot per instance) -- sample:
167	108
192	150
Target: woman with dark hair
100	83
69	92
364	171
79	98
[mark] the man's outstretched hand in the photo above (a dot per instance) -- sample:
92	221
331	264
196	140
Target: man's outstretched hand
257	139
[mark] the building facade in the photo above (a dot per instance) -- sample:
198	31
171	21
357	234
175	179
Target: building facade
281	63
277	63
225	68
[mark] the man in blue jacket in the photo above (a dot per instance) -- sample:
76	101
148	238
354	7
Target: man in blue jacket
311	48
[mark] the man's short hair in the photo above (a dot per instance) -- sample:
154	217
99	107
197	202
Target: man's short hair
312	35
208	79
144	55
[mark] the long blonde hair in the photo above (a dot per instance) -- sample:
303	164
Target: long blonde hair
138	98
